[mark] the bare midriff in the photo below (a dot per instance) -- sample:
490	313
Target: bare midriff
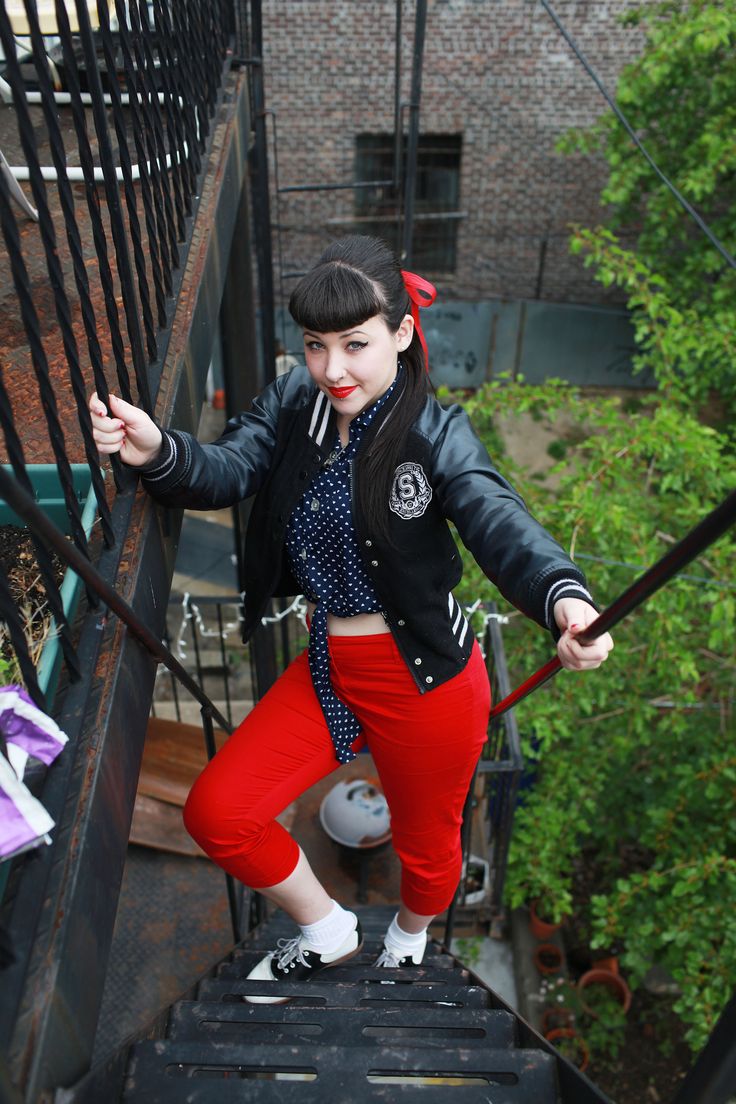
363	624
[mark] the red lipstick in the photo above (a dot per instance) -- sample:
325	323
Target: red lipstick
342	392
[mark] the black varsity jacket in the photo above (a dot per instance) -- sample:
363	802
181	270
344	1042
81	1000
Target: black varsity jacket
274	451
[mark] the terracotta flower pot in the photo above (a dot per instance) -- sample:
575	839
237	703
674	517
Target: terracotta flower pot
611	981
556	1017
541	929
581	1047
548	958
608	963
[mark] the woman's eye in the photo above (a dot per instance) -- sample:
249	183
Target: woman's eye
315	346
357	345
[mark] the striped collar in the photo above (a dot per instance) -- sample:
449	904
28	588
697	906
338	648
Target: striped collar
322	412
320	418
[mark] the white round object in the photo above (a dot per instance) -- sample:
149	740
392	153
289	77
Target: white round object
356	814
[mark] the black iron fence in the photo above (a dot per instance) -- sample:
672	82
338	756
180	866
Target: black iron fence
120	124
109	126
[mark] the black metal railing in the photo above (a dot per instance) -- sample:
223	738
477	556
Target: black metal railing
157	74
108	131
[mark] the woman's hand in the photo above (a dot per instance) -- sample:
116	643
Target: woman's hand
126	430
572	616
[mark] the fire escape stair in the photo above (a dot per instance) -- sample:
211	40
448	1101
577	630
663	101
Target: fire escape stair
358	1034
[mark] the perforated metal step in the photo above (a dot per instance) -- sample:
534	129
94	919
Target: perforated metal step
371	1025
355	1033
211	1072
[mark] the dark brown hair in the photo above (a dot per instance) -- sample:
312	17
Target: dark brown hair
356	278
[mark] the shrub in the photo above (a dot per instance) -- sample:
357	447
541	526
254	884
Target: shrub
642	750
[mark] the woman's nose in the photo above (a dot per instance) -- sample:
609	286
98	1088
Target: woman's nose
335	369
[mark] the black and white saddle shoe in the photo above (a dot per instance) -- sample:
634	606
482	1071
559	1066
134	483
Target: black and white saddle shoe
295	960
392	961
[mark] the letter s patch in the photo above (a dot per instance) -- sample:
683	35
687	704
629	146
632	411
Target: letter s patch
411	493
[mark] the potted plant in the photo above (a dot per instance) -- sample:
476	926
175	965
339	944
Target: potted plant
544	917
548	958
477	880
601	989
571	1045
603	1019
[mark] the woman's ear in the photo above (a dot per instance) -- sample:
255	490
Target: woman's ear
405	333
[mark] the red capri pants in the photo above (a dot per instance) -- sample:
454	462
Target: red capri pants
424	746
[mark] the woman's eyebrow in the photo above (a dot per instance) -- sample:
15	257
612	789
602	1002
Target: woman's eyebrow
311	333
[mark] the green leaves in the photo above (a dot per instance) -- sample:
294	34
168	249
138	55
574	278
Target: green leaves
680	97
640	754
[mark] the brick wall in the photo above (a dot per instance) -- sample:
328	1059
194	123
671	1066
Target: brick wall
496	71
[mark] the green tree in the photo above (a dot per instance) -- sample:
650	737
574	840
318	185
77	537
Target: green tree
680	97
637	758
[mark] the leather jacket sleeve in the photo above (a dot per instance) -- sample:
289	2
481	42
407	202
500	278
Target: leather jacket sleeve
212	476
515	552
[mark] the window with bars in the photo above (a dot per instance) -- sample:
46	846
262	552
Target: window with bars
436	212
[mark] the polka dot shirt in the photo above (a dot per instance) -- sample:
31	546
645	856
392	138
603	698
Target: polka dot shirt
325	560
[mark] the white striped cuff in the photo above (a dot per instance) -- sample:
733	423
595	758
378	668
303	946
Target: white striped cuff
564	588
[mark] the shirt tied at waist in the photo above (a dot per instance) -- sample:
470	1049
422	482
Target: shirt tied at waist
325	559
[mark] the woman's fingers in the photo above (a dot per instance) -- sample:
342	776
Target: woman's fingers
576	656
573	616
124	428
108	433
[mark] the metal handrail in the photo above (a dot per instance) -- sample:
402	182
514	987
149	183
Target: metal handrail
39	523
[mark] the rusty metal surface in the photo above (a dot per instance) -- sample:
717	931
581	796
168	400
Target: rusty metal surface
172	925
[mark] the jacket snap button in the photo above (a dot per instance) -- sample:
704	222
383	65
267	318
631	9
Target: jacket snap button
402	623
418	661
303	473
429	679
369	544
374	563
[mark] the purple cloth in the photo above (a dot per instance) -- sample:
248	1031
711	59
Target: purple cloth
24	822
24	724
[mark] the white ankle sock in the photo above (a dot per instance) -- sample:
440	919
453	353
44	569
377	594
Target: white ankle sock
332	930
404	943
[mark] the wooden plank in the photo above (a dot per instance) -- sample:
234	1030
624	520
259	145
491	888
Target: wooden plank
173	756
159	825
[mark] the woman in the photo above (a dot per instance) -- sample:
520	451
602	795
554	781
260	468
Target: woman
356	470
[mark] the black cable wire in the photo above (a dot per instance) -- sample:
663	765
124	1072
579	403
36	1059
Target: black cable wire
728	258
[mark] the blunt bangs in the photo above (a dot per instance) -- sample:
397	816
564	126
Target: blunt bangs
334	297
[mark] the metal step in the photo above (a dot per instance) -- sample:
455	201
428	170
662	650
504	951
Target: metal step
449	993
369	953
355	1033
241	965
214	1072
374	920
414	1024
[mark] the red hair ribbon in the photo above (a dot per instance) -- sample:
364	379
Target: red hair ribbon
422	294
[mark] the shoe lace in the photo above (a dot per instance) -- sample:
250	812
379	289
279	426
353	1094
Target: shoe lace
387	958
289	950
